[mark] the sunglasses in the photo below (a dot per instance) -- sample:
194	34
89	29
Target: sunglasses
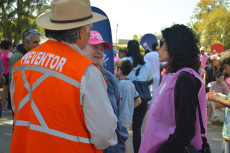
30	31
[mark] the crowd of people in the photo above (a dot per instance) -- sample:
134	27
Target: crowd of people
64	100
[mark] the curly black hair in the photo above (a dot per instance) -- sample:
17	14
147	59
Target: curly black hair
5	44
182	46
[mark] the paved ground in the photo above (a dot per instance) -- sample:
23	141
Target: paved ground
5	132
214	134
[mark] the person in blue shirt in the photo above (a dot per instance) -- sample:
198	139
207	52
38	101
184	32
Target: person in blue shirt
129	96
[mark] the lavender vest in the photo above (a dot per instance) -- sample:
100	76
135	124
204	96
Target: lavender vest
161	118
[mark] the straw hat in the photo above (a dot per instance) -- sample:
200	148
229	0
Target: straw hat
68	14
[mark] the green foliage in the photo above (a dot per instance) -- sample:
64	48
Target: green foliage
212	22
117	47
17	15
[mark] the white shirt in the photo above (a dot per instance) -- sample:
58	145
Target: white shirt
97	109
153	58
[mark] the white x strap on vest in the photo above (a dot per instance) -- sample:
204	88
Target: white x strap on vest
44	127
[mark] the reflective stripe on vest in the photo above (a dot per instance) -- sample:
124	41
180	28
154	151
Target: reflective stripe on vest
43	128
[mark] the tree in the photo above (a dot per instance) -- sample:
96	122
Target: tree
212	22
17	15
194	26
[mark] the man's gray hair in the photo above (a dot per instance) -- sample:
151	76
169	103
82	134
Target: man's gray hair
29	33
69	36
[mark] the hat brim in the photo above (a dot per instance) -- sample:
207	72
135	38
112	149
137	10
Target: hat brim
45	22
106	44
215	58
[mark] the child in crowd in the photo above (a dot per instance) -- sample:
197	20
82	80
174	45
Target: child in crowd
129	96
6	46
219	86
219	98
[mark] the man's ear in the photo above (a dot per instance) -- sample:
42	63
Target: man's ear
24	42
81	33
80	39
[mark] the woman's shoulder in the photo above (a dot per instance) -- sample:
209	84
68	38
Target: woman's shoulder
185	75
186	78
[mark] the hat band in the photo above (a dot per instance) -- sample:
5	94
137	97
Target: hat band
72	21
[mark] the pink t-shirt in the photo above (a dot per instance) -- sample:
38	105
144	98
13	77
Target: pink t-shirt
5	60
116	58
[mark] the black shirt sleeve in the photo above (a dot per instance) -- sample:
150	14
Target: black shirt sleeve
186	100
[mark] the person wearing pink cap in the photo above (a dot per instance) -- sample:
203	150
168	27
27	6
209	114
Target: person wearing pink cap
211	70
94	50
54	88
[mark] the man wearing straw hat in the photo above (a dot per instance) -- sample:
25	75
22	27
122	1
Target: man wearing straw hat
59	96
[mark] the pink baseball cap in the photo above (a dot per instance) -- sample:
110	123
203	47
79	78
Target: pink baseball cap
96	38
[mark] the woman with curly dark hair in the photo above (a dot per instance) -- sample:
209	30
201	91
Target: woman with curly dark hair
173	121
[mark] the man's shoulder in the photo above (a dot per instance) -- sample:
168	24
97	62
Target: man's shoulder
152	54
152	57
16	56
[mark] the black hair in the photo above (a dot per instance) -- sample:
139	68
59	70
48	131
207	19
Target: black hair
226	61
5	44
134	52
147	51
182	46
154	46
123	50
219	74
125	66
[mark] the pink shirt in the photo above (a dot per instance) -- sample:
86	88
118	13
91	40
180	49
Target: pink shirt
219	88
203	59
116	58
5	61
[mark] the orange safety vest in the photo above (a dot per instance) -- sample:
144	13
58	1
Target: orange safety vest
48	116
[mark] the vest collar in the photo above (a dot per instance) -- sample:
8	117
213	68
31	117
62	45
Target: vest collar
74	46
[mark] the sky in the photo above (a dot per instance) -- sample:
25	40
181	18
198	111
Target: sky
144	16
